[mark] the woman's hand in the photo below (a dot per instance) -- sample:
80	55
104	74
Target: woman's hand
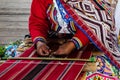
65	49
42	49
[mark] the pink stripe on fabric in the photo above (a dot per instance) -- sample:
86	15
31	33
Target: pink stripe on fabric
27	52
14	70
6	66
102	75
31	65
73	71
62	66
11	68
45	76
44	71
6	69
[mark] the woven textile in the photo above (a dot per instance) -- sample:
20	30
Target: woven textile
97	24
40	69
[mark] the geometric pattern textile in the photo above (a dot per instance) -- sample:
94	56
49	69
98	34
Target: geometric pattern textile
98	22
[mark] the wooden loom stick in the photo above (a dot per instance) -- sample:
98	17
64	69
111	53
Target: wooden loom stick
89	66
47	58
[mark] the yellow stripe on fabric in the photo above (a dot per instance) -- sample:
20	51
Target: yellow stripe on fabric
72	26
51	15
49	8
78	40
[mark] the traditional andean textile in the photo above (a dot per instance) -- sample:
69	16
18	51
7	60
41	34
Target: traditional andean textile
91	19
97	24
40	69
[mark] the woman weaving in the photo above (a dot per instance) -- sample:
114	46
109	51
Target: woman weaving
82	24
85	20
88	21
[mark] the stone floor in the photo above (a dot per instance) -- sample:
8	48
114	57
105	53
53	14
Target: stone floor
14	15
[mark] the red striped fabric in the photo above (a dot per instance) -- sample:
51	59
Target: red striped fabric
41	70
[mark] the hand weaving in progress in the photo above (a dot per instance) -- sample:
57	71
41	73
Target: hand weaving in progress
72	40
